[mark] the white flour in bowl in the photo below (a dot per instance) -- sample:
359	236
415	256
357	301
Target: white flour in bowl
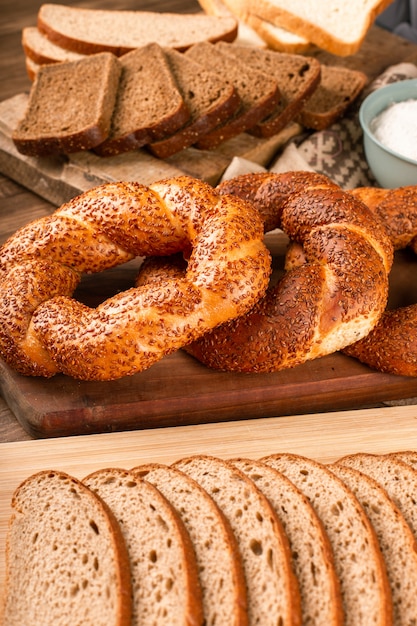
396	128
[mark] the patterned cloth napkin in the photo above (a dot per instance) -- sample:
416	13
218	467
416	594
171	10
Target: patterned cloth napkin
336	151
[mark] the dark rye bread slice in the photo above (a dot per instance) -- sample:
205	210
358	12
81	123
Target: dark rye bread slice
70	106
338	89
297	76
65	556
312	557
272	588
397	478
148	106
358	559
258	92
210	100
397	542
95	30
218	559
165	584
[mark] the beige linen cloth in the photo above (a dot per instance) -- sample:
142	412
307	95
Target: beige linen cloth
336	151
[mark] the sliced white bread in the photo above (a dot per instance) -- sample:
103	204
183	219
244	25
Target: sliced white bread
149	104
258	92
41	50
338	88
95	30
338	26
70	106
297	76
210	100
165	584
312	557
272	589
218	559
253	30
358	559
407	456
66	558
397	478
397	542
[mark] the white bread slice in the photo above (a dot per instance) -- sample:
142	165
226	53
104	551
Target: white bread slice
96	30
407	456
218	559
65	556
312	557
255	31
358	559
165	582
397	478
271	585
396	540
41	50
337	26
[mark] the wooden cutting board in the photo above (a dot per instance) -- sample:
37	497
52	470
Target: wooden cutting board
324	437
178	390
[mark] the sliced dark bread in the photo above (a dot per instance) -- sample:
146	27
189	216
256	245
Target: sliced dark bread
165	582
210	100
297	76
218	559
261	539
258	91
70	106
358	558
66	559
338	88
149	105
397	542
312	557
95	30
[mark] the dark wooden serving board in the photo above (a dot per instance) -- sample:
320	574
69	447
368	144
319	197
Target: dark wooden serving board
181	391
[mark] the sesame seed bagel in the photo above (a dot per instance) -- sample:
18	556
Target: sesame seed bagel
392	345
43	330
335	287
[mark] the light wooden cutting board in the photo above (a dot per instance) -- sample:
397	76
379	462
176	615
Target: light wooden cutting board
324	437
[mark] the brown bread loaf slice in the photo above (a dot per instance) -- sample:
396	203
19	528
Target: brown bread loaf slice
65	556
358	559
338	88
70	106
165	582
262	542
397	542
218	559
407	456
148	106
258	91
312	557
42	51
297	76
397	478
210	100
96	30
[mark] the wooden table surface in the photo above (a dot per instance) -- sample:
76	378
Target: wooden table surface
18	205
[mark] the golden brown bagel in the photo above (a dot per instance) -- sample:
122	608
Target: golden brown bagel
392	345
335	288
44	331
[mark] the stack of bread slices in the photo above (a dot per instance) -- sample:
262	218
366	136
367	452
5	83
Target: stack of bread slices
282	540
94	88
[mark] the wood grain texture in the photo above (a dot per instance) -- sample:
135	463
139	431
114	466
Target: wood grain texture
324	437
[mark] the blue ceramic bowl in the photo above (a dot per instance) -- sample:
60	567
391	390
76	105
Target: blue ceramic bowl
390	168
